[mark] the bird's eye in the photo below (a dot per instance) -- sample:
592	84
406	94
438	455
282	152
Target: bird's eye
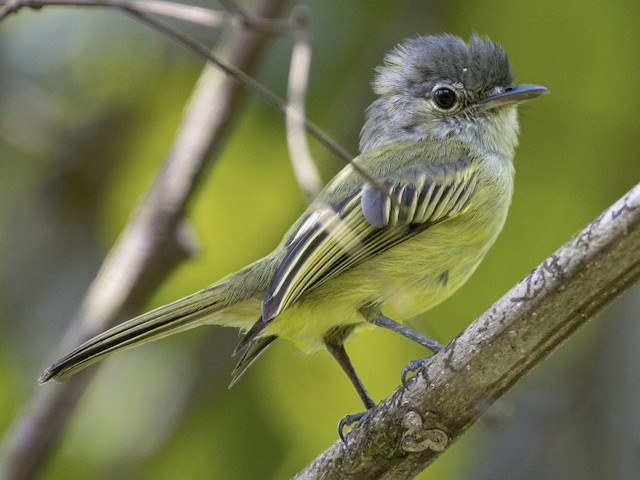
444	98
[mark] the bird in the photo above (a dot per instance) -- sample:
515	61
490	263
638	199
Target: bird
439	140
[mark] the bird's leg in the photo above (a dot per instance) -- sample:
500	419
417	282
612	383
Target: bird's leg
339	353
386	322
414	365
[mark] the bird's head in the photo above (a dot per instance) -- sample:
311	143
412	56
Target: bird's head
439	86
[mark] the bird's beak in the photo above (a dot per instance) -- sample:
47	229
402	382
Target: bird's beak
511	95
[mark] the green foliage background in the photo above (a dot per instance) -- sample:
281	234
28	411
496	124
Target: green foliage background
89	103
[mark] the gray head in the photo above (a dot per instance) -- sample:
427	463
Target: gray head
437	86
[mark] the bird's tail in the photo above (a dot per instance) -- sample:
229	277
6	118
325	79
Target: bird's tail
234	301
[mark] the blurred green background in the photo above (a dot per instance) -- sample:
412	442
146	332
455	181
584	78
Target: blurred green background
89	103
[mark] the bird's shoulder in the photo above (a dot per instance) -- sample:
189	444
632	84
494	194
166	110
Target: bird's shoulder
437	158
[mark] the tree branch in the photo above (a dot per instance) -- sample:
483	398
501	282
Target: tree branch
414	425
133	268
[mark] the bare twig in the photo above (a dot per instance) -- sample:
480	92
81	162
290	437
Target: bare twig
189	13
132	270
304	167
266	95
12	6
414	425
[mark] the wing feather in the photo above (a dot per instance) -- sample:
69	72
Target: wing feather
334	239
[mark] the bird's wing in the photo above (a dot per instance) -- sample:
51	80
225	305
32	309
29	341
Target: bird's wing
333	239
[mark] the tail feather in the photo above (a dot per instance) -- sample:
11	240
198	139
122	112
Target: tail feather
234	301
252	352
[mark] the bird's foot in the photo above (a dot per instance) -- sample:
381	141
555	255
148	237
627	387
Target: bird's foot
349	420
413	366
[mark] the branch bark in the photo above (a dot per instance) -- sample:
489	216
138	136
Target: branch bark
151	246
415	424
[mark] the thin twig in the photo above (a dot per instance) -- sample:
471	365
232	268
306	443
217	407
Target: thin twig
189	13
237	74
304	167
265	94
407	431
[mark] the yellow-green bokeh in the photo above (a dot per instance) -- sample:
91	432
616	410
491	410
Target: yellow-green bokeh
579	152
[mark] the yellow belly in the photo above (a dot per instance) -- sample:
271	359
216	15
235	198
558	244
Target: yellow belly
407	280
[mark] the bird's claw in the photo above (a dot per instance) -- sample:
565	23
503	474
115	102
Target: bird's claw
412	367
350	420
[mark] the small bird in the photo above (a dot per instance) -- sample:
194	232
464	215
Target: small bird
440	139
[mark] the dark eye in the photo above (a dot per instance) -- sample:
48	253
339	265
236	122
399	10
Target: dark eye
445	98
